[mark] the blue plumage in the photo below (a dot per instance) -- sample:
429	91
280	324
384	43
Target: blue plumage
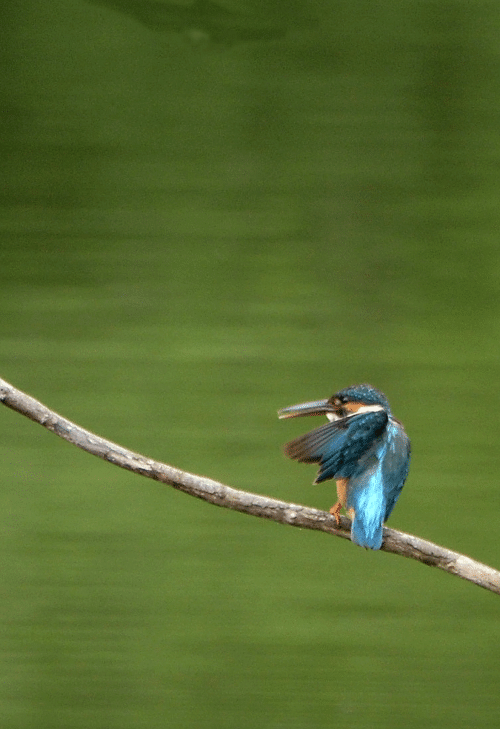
364	448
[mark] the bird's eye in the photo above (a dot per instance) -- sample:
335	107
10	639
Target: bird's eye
340	410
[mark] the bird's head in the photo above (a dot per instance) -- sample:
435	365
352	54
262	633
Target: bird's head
344	403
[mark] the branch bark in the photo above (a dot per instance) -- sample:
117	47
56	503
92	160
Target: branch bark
219	494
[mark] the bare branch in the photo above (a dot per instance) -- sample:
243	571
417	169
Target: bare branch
219	494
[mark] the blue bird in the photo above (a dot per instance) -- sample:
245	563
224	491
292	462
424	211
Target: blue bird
364	448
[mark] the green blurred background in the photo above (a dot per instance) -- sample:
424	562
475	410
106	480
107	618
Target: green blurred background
211	211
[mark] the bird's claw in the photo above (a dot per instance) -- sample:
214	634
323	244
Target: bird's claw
335	512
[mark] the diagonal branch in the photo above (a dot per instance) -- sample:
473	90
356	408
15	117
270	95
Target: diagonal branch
221	495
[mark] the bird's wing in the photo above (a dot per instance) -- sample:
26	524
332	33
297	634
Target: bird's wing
395	465
338	446
374	491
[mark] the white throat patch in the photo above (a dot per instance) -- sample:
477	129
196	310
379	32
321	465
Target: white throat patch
368	409
362	409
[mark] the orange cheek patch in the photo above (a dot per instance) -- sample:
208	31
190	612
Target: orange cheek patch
353	407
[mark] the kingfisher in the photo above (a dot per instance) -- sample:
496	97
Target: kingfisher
364	448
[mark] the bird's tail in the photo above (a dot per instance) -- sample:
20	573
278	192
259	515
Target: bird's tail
366	534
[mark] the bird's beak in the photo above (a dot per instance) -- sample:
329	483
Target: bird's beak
318	407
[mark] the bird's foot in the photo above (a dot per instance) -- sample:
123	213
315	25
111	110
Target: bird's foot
335	511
